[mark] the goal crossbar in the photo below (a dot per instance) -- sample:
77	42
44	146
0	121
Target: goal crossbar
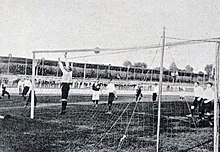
153	46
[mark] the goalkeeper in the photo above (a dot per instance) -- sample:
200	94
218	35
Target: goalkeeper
66	82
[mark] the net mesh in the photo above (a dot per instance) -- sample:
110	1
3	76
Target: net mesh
132	126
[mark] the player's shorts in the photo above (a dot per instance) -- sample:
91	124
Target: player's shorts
4	92
95	95
207	107
65	90
35	98
139	94
111	98
154	97
25	91
196	102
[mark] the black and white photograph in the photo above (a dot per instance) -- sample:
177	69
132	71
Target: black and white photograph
109	75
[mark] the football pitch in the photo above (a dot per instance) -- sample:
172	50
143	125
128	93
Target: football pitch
131	126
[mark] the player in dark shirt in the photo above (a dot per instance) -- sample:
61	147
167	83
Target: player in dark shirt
138	89
4	92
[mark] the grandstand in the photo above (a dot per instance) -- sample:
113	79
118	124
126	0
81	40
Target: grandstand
48	69
49	76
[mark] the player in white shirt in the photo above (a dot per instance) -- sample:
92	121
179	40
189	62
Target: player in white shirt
198	93
155	92
29	96
66	82
207	103
208	98
182	90
27	85
111	95
20	86
95	92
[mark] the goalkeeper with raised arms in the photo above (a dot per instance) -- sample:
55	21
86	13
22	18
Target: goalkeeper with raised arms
65	83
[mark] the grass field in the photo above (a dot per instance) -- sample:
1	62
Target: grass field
86	128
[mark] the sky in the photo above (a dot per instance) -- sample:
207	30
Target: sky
28	25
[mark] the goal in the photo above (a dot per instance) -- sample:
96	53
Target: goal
142	125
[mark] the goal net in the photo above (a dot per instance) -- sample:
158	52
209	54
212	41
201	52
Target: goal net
133	124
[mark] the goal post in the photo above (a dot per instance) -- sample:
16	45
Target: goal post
33	85
160	92
216	101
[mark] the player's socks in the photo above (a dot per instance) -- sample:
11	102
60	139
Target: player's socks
109	107
93	101
26	104
192	111
63	110
109	112
189	115
210	123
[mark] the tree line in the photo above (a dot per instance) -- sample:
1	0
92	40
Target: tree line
173	67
